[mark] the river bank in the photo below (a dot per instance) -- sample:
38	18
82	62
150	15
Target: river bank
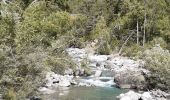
107	71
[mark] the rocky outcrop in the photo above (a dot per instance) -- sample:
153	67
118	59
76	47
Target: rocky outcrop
127	73
53	81
131	95
130	79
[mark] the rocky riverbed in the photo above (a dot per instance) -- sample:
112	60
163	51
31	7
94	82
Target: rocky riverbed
108	71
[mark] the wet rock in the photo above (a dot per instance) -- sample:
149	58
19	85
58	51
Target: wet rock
98	73
84	84
45	90
73	82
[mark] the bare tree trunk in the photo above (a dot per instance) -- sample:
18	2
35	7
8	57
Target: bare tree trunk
137	38
144	33
120	51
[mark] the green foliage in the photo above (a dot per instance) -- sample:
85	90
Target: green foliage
159	41
35	34
10	95
40	26
104	49
157	61
101	31
133	50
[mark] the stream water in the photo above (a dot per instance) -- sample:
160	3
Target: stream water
104	89
85	93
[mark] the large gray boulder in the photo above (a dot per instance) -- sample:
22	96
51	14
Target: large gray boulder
130	79
149	95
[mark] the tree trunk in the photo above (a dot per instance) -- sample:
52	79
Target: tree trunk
137	37
144	33
120	51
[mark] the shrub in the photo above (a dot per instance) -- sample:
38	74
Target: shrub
101	31
160	41
133	50
157	61
104	48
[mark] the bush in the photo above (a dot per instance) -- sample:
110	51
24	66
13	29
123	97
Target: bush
104	48
40	26
160	41
133	50
157	61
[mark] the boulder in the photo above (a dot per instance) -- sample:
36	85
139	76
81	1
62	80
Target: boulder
84	84
130	79
68	72
64	82
131	95
79	72
146	96
98	73
45	90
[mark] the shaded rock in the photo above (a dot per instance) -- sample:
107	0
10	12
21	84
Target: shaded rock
35	98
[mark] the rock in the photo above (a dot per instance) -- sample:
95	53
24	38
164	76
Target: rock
68	72
126	98
146	96
131	95
82	72
73	82
35	98
97	58
159	93
98	73
79	72
84	84
130	79
124	86
56	85
45	90
64	82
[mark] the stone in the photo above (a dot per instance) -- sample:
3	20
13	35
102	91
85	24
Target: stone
130	79
131	95
68	72
98	73
73	82
126	98
84	84
146	96
64	82
45	90
77	73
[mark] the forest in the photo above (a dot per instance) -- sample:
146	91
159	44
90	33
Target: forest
34	35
